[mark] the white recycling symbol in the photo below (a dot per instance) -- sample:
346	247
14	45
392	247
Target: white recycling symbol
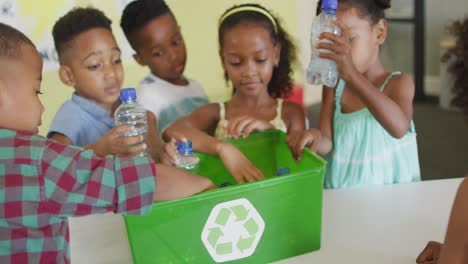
233	230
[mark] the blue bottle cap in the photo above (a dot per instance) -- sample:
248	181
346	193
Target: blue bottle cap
282	171
224	184
329	4
184	147
127	94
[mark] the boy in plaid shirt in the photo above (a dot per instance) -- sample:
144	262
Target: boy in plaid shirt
43	182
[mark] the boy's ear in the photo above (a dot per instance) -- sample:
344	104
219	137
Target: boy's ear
380	31
66	75
277	53
138	59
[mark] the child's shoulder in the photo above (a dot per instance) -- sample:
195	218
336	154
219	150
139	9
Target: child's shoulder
400	77
292	108
152	84
29	145
399	83
71	110
209	111
206	114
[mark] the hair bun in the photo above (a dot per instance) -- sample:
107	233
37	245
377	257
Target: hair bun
383	4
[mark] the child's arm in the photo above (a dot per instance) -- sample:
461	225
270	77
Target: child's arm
154	142
294	116
243	126
59	137
393	109
77	182
110	144
196	127
173	183
455	248
318	140
430	254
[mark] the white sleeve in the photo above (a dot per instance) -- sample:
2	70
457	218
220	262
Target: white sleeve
147	97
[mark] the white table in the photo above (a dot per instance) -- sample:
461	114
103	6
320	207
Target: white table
388	224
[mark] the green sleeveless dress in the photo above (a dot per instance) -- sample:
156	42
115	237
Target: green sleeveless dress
365	154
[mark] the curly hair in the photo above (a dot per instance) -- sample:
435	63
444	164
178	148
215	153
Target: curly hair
457	57
281	83
75	22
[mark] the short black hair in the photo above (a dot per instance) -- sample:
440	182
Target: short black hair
139	13
374	10
75	22
281	83
11	40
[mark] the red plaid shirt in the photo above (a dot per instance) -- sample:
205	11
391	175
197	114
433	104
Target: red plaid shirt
43	182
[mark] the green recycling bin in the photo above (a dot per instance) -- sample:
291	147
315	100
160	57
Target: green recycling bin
258	222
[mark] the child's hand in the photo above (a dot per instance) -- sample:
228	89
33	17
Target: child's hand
430	254
238	165
341	51
169	152
244	125
297	140
113	143
211	186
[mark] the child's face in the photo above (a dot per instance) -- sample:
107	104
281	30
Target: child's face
248	56
93	67
161	47
365	39
20	86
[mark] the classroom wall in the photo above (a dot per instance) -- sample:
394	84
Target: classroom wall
36	18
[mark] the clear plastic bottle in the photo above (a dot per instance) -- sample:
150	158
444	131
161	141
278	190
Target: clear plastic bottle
323	71
185	158
130	113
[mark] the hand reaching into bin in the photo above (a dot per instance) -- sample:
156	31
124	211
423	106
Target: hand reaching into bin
311	138
238	165
243	126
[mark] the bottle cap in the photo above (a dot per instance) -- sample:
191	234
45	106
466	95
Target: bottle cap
184	147
329	4
127	94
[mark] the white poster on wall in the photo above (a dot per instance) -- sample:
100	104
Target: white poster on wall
36	22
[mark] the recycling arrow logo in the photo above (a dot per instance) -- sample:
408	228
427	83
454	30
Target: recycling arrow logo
233	230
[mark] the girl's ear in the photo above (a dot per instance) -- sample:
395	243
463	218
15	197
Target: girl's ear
277	53
67	76
380	31
223	62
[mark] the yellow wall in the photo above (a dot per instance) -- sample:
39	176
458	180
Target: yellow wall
199	30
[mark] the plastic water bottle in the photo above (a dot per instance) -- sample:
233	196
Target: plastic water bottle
323	71
185	158
130	113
